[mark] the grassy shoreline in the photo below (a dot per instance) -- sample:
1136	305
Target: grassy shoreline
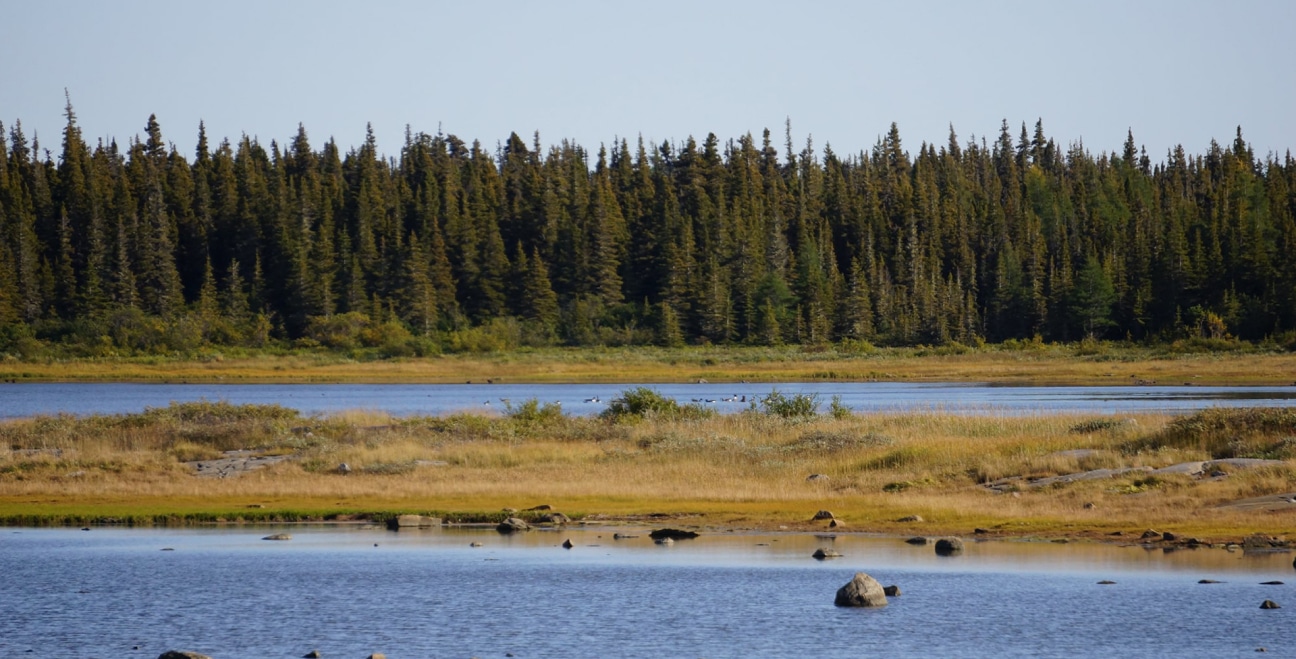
1025	363
666	466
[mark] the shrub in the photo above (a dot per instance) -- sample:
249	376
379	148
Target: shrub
638	403
838	409
796	406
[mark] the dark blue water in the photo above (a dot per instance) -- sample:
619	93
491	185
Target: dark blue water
27	399
114	593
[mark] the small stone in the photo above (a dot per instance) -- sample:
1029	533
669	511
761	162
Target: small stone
891	591
1270	604
1150	535
910	518
567	544
816	478
1106	582
980	531
822	553
182	654
836	523
917	540
822	514
313	654
278	537
1169	537
1208	581
543	506
344	469
623	536
1271	583
1089	505
474	544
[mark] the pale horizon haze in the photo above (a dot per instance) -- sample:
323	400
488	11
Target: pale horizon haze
1180	72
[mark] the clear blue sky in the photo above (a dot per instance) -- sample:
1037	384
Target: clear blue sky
1173	71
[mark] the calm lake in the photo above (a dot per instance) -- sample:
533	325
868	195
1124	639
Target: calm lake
27	399
349	591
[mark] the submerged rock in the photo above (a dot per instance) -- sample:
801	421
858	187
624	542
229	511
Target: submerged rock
182	654
1270	604
919	540
822	553
278	536
949	546
891	591
567	544
863	590
673	534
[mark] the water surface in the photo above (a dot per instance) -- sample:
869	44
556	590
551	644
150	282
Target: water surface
27	399
348	591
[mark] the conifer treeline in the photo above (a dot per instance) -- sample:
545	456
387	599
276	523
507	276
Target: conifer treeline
731	242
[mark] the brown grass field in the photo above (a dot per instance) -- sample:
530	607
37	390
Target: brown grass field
1027	363
743	471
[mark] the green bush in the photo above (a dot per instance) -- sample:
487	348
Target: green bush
796	406
642	402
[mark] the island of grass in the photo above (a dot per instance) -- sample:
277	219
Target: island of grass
1217	476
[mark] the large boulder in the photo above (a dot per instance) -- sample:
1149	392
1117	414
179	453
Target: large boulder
512	525
863	590
949	546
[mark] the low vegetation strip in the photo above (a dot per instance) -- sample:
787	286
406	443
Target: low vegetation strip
755	469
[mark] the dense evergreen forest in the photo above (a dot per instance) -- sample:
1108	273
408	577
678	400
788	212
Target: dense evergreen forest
453	246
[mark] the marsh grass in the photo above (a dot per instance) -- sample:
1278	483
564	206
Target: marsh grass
741	469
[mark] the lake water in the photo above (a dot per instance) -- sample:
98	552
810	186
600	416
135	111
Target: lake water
349	591
27	399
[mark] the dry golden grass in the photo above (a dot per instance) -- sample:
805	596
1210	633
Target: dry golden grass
744	470
1028	364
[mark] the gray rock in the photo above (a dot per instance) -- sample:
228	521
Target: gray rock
623	536
553	518
817	478
822	553
892	591
1106	582
910	518
512	525
836	523
1150	535
344	469
567	544
278	536
949	546
1271	583
822	514
1208	581
863	590
1270	604
313	654
919	540
182	654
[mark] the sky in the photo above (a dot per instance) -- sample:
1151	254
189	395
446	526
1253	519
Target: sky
1171	71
